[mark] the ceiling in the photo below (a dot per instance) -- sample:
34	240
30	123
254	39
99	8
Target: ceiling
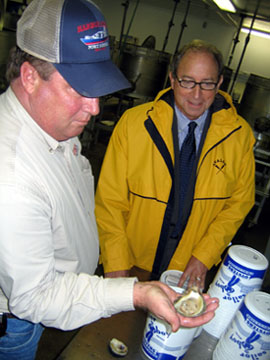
246	8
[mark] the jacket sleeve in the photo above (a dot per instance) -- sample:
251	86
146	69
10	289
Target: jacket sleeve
225	225
112	202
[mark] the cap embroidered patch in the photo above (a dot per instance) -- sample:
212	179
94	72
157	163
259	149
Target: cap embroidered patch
97	41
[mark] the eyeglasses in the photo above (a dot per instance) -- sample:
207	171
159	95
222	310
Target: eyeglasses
190	84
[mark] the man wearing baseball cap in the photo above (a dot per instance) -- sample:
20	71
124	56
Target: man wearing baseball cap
48	238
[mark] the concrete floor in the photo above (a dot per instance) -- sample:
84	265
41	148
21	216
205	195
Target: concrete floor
54	341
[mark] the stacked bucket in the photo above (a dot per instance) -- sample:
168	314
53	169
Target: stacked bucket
248	335
242	321
241	326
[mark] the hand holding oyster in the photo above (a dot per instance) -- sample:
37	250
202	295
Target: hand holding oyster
159	298
191	303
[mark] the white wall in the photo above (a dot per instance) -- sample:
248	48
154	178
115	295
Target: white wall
257	55
152	20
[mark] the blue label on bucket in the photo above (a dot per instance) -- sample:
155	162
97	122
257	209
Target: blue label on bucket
158	344
234	281
254	322
242	271
232	288
156	355
250	334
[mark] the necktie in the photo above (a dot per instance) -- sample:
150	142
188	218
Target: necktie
187	159
186	162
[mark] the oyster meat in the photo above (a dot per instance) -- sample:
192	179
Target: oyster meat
190	303
118	348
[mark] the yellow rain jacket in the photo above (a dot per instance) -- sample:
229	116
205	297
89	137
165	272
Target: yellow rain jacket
136	180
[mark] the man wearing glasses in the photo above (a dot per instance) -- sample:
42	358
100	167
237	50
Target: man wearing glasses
178	177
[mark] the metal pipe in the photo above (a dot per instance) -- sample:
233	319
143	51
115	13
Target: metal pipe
170	25
126	5
245	47
131	20
123	43
184	25
236	39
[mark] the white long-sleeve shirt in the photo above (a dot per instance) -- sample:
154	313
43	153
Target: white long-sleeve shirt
48	236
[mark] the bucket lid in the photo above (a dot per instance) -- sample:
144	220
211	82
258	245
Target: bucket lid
171	277
258	302
248	257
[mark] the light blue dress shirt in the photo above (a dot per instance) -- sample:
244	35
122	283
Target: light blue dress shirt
182	125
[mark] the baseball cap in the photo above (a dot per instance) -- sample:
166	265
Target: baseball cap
73	36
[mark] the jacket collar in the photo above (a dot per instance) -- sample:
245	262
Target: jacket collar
222	100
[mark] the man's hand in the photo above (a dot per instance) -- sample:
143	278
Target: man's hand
196	272
116	274
158	298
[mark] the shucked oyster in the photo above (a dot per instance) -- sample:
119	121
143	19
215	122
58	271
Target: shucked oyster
118	348
190	303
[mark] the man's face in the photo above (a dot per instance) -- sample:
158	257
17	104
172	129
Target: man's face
197	66
59	109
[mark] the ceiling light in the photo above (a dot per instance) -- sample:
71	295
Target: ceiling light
265	35
226	5
259	25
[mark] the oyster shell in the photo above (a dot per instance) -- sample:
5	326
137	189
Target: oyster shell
190	303
118	348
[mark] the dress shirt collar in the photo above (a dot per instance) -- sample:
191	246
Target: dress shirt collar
183	121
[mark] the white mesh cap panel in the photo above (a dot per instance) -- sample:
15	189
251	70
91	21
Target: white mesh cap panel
38	30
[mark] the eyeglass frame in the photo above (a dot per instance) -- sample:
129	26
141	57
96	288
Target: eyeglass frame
179	80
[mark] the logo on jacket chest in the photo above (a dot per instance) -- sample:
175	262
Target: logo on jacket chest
219	164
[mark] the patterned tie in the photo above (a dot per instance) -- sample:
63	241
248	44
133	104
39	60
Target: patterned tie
186	162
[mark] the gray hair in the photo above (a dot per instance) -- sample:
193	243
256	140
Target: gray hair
198	46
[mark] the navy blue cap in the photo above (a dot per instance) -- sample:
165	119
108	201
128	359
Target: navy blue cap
73	35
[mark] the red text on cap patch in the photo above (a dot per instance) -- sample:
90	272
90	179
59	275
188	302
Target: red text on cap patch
90	25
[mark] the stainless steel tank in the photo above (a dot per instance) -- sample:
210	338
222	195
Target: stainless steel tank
255	102
145	68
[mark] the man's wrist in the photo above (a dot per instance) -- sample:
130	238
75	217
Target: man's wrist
139	293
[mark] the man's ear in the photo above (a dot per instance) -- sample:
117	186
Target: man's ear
29	77
172	79
219	82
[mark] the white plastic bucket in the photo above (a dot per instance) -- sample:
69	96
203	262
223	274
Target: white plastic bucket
241	272
248	335
162	344
159	343
172	277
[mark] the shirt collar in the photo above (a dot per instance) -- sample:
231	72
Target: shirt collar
27	119
183	121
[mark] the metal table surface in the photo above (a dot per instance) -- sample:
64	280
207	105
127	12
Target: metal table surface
91	342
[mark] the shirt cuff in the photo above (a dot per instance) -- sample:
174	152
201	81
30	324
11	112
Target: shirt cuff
119	294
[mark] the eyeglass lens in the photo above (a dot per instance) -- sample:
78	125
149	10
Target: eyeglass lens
190	84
